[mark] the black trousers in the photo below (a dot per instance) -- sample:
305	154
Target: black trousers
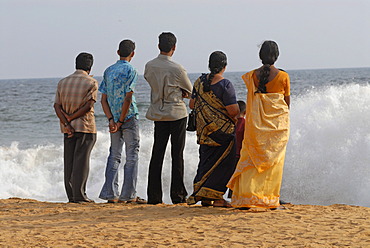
162	131
77	150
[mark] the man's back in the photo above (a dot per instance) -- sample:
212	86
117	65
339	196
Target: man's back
119	79
167	80
73	93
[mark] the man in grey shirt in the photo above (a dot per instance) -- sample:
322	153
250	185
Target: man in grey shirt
169	85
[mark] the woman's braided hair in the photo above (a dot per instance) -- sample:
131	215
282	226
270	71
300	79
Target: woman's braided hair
217	62
269	53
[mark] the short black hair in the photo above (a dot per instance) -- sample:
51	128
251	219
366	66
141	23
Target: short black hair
242	106
84	61
167	41
126	47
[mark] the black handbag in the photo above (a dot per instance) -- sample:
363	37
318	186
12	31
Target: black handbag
192	125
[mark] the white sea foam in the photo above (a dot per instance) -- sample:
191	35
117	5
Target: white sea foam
328	158
37	173
327	161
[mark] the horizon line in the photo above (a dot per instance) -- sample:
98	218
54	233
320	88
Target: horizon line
311	69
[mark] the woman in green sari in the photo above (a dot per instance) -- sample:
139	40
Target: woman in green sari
216	108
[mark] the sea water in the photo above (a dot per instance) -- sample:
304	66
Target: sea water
327	159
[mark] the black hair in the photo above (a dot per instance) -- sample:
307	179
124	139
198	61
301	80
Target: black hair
166	41
126	47
84	61
242	106
269	53
217	62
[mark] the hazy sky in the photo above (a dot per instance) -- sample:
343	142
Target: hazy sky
42	38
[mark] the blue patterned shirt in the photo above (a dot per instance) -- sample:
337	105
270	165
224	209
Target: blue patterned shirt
119	79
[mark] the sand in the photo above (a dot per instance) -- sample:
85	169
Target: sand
30	223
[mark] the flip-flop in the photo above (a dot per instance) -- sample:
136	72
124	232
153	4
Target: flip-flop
137	200
206	203
243	208
281	207
224	204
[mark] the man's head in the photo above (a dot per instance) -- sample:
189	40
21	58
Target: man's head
167	42
126	48
84	61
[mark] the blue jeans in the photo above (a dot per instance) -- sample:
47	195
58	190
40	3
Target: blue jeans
129	134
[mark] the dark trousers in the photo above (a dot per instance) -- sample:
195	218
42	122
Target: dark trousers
162	131
77	150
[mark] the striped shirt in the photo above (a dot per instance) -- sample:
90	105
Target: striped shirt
73	93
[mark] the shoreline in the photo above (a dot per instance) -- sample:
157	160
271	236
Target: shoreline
31	223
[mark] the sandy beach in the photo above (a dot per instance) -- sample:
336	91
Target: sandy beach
30	223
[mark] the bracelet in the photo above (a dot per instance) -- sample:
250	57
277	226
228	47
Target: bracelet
111	118
119	121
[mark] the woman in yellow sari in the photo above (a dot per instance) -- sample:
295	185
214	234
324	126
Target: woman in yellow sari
257	179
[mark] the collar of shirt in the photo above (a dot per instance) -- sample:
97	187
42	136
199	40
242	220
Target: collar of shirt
121	61
78	71
165	57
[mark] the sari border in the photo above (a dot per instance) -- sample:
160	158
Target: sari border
198	185
255	201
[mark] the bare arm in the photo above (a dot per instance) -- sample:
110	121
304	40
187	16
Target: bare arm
105	106
192	103
125	106
82	111
59	112
287	100
106	109
233	110
113	126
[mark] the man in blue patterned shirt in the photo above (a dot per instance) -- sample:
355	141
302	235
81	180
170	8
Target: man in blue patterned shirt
119	106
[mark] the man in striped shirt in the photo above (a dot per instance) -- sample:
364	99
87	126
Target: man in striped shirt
74	106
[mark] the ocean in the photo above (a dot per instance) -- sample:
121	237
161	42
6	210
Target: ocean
327	160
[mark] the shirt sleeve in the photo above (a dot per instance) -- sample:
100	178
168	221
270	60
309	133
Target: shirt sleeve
287	86
229	96
94	91
132	79
103	85
184	81
57	98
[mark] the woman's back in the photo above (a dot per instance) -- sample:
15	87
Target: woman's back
278	82
224	90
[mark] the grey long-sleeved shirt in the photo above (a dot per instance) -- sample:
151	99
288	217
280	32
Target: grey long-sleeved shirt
167	80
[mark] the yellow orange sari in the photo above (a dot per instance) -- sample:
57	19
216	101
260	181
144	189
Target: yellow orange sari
257	179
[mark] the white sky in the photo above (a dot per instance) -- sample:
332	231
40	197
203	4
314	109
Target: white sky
41	38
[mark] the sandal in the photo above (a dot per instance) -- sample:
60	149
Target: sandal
137	200
243	208
206	203
222	204
281	207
